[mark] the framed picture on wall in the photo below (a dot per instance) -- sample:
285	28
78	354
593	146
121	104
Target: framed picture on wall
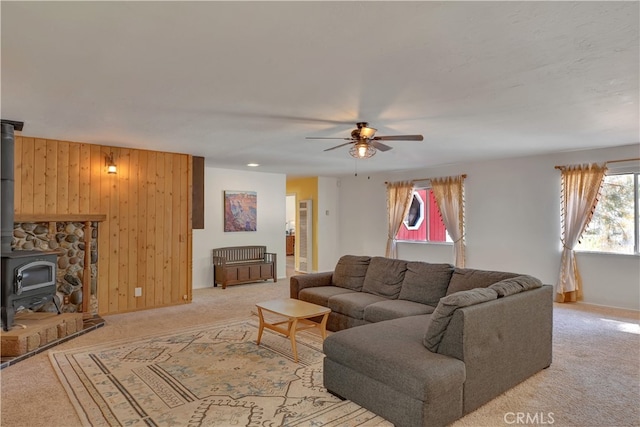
240	210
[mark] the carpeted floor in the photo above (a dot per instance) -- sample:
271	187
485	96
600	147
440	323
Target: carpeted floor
593	380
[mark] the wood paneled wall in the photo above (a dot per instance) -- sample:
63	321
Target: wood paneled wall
145	240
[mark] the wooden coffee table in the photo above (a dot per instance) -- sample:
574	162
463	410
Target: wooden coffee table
297	313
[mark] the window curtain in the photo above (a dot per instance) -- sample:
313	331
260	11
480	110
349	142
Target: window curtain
580	191
399	195
449	194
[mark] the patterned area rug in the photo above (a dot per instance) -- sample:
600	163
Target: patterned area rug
213	375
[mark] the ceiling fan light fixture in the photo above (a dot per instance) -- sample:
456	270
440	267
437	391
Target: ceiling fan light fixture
362	150
363	142
367	132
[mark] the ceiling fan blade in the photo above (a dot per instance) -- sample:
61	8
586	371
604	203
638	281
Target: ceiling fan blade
272	116
399	138
326	137
380	146
338	146
304	119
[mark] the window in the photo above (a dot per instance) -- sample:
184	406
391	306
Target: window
416	214
423	222
614	226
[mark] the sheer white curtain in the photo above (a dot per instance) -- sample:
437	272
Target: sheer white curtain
449	195
399	195
580	191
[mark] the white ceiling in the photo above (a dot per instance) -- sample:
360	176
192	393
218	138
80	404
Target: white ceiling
240	82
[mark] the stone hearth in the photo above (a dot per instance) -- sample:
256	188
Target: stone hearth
38	332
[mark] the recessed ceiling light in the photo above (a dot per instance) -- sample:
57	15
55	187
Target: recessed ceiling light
253	165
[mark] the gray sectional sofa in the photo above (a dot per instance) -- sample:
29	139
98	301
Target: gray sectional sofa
424	344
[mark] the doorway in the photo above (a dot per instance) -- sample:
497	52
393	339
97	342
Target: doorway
290	233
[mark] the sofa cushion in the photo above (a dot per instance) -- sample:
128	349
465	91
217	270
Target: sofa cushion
464	279
425	283
320	294
441	316
393	309
350	271
352	304
384	277
515	285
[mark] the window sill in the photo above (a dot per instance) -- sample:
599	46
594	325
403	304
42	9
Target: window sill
417	242
606	253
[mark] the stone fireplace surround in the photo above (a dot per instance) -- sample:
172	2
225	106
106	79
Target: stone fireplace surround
74	239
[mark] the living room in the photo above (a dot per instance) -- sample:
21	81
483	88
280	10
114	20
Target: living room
505	127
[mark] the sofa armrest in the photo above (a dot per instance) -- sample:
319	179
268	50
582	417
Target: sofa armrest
302	281
502	342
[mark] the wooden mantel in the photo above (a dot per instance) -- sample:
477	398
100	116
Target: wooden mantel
60	217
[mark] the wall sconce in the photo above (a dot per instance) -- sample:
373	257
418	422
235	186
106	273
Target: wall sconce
111	164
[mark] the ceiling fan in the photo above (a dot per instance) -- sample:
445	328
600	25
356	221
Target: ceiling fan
365	144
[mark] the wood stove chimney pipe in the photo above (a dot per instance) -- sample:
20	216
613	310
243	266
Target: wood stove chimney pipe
7	147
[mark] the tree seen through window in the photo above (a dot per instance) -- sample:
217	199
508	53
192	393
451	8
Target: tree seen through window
614	226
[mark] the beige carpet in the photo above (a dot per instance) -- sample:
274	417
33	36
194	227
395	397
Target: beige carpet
212	375
593	380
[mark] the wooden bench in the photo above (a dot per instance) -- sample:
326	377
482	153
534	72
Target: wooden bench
243	264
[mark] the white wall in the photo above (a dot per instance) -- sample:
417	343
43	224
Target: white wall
271	203
362	216
512	218
327	223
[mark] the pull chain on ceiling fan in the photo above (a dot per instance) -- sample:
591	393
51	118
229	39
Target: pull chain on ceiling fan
365	143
